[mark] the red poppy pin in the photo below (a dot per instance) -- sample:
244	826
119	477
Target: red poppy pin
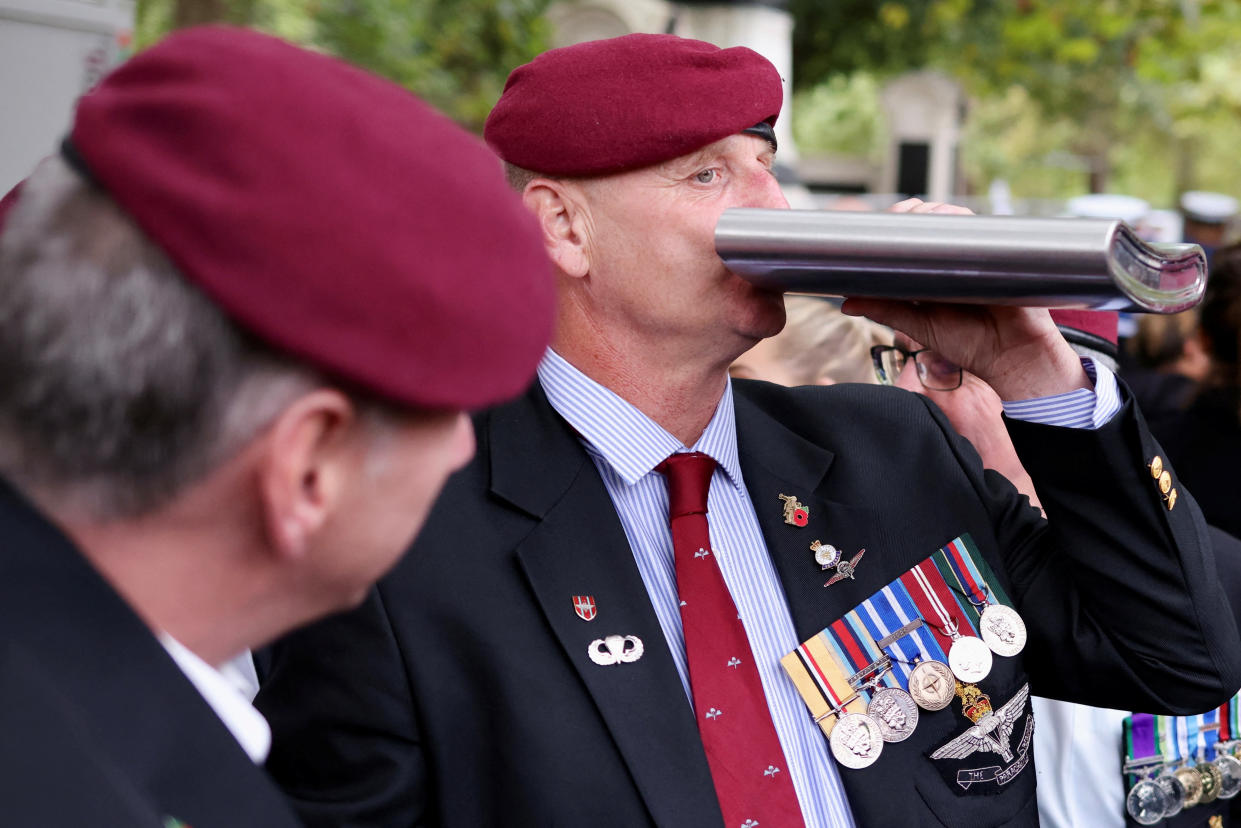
795	513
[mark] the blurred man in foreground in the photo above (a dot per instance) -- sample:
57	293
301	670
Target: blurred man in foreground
241	315
591	629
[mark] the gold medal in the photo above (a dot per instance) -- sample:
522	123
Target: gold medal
1211	782
1192	780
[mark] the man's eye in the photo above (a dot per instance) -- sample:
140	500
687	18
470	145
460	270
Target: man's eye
706	176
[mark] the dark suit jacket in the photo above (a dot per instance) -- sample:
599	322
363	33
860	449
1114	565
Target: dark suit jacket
101	727
461	693
1205	441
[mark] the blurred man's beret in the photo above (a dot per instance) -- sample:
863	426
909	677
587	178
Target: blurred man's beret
1094	331
610	105
9	201
328	211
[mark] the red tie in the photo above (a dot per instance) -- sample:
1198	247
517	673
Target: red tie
747	762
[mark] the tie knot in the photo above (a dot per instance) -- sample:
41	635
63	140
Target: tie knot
689	480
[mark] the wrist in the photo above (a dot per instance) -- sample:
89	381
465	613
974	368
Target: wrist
1044	371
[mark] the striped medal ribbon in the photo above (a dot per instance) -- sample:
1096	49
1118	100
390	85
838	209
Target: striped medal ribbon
888	704
825	683
1225	747
822	682
968	656
1147	801
986	604
919	663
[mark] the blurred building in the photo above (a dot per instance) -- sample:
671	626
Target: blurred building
51	51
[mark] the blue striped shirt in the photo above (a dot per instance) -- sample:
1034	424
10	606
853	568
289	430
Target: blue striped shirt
625	446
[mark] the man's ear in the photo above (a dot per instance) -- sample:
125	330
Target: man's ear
306	464
564	220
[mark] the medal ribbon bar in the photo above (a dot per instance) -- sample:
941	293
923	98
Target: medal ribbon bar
1208	734
937	604
1142	751
961	563
858	653
890	615
822	682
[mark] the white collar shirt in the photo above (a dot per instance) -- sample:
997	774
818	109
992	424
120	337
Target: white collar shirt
625	446
246	723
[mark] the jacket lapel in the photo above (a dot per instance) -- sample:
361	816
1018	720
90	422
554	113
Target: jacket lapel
806	471
578	547
138	707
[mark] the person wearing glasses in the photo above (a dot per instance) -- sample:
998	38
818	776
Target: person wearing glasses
1077	747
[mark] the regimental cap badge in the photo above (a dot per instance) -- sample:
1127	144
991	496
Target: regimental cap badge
975	704
584	606
795	513
825	555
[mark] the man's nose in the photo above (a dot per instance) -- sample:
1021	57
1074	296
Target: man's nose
763	190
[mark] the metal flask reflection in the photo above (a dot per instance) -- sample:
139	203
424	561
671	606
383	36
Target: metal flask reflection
1099	264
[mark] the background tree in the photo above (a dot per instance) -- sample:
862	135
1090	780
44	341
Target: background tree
1110	86
456	54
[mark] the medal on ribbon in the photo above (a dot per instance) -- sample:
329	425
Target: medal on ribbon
1148	800
964	569
968	656
888	704
822	683
919	663
836	705
1228	764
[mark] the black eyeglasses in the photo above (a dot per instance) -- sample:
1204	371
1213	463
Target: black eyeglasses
934	372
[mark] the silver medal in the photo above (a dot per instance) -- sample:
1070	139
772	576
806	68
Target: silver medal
1230	775
1175	791
1002	629
856	741
932	686
895	712
970	659
1146	803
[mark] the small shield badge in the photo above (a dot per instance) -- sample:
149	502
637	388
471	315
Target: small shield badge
584	606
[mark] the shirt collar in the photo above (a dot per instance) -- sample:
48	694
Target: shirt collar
246	723
631	442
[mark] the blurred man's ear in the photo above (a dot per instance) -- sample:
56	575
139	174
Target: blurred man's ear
304	465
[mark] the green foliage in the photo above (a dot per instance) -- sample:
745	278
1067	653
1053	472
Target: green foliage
456	54
841	116
1139	94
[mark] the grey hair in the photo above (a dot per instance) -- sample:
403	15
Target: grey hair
120	382
518	177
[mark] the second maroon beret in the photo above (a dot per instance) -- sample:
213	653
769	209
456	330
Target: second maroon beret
610	105
328	211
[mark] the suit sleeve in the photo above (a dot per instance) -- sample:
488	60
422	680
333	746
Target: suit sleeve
345	745
1119	593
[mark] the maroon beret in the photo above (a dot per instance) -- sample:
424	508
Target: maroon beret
328	211
610	105
1096	330
1102	324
